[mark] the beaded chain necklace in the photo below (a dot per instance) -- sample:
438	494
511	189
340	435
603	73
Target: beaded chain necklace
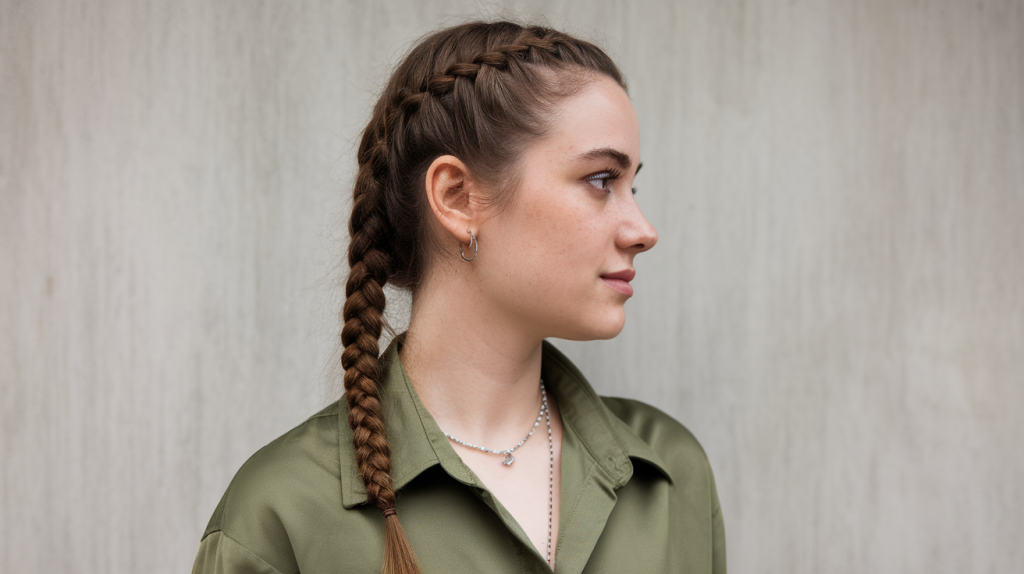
509	459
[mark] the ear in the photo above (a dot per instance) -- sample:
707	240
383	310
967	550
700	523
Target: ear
454	197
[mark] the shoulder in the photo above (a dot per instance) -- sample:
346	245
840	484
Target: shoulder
671	442
693	497
283	469
277	486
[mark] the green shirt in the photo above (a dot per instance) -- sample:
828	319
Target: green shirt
637	495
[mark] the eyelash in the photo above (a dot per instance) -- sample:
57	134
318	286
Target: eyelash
606	177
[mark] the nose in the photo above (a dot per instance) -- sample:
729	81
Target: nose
636	233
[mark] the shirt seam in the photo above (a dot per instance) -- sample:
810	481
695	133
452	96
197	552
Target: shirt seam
576	504
249	552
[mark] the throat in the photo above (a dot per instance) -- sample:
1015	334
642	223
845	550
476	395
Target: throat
509	458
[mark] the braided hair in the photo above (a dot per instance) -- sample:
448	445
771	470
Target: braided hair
480	92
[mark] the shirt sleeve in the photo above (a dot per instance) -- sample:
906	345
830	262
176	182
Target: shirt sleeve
220	554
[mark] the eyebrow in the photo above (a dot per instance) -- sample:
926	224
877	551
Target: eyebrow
610	153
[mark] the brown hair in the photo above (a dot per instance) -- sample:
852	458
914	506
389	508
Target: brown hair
480	92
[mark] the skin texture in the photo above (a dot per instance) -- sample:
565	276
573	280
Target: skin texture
547	251
474	344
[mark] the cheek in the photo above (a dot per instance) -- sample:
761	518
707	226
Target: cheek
559	253
543	265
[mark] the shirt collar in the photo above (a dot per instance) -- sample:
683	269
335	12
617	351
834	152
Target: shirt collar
417	443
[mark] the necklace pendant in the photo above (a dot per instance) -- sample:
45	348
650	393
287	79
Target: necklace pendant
509	459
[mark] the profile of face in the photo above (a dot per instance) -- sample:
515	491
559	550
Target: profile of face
557	259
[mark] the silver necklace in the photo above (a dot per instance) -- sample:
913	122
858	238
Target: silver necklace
551	469
509	459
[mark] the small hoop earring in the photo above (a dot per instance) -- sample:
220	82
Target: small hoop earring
476	248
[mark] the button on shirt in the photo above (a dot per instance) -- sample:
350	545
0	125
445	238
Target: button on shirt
637	495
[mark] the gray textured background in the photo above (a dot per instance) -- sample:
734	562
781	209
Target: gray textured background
835	307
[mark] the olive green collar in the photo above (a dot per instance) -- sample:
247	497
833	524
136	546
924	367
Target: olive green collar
417	443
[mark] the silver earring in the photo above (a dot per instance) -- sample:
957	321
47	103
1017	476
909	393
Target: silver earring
476	248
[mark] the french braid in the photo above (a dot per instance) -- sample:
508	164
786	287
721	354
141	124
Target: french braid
478	91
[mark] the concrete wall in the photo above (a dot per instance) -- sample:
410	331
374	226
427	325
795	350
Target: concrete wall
835	308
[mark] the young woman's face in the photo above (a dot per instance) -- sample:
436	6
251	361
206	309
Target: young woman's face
558	258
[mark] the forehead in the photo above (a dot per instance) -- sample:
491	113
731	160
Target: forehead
598	117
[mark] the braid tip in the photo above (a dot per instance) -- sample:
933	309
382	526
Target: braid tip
399	557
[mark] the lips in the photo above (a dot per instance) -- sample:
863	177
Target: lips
619	281
626	275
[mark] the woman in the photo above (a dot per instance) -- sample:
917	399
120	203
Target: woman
495	182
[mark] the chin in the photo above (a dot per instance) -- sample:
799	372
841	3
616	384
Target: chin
605	327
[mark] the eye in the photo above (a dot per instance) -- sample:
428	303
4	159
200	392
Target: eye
603	179
600	181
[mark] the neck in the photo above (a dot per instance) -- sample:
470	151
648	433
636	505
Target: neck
477	374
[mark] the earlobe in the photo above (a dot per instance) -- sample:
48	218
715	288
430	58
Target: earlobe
450	193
